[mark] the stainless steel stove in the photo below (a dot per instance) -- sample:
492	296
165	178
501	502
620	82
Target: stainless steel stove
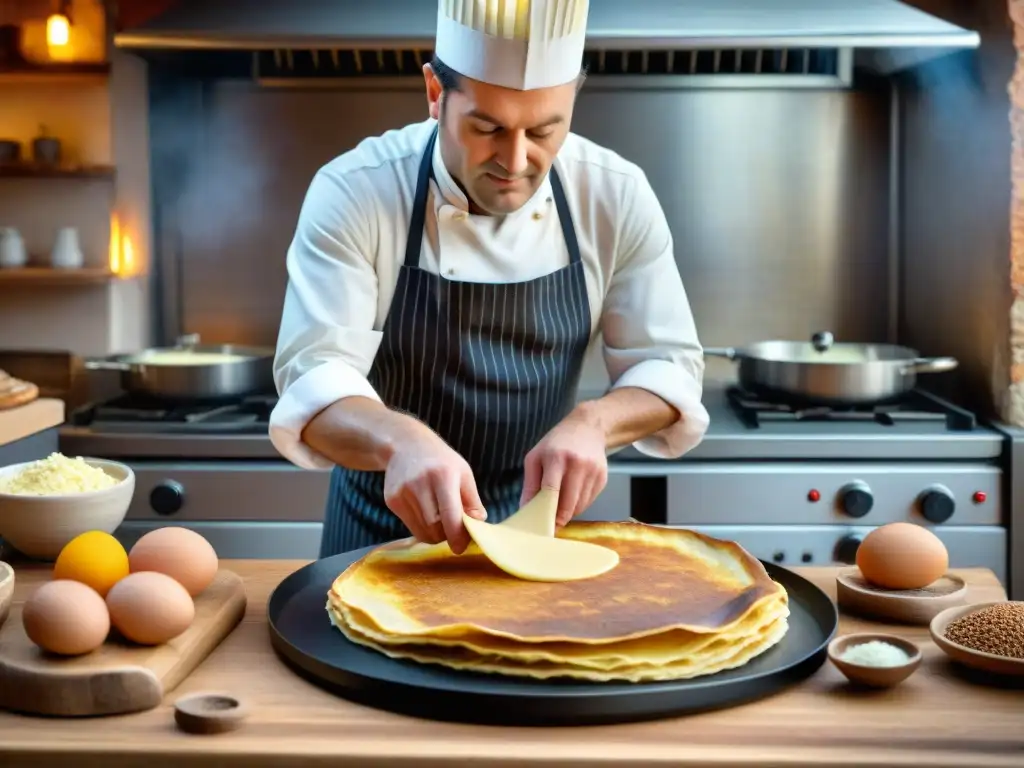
792	485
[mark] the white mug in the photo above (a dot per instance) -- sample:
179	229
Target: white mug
12	249
67	254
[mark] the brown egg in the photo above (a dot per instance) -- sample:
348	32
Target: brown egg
180	553
150	608
66	617
902	556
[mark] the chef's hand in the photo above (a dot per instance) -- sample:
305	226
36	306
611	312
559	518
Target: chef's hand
428	485
570	459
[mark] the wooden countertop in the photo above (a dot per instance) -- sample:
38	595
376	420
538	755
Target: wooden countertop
939	717
28	419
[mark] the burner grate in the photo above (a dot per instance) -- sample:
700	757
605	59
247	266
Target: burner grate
128	413
916	406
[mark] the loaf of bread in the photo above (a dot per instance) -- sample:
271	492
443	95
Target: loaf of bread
15	392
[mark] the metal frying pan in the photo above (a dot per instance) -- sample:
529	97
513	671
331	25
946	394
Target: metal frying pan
193	371
826	372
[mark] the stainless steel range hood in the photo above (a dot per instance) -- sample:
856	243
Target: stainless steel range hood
883	35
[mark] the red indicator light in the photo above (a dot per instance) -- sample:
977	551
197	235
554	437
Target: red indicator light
813	495
979	497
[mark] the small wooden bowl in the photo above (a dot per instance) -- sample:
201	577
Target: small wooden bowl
856	595
6	591
986	662
875	677
209	713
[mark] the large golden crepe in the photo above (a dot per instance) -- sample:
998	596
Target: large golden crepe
678	605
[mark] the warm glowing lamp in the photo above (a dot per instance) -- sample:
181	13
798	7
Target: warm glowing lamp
58	30
58	37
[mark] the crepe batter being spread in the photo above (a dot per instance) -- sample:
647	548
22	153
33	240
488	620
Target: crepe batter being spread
704	606
445	282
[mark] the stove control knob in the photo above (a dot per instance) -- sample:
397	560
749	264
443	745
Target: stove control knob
167	498
936	504
846	549
855	499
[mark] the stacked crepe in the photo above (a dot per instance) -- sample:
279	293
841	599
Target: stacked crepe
678	605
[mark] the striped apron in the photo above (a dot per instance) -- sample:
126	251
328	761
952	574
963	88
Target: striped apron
489	367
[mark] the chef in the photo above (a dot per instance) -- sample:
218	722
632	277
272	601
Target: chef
446	280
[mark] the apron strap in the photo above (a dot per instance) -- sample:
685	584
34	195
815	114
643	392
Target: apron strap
414	242
565	217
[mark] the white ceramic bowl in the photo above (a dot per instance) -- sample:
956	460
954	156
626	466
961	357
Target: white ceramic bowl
6	591
40	526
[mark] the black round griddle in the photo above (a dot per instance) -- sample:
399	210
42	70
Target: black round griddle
302	635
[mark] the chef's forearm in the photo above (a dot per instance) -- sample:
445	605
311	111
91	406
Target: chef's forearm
359	433
628	414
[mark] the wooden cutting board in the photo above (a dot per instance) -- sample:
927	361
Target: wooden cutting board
117	677
25	420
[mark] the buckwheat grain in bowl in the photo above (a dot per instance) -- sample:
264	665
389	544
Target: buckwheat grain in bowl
997	629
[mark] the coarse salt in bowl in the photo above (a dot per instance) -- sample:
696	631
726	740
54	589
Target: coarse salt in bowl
874	659
45	504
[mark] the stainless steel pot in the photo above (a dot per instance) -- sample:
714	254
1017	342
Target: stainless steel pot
825	372
214	372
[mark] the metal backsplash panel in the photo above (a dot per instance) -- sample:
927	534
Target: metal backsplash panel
955	212
778	200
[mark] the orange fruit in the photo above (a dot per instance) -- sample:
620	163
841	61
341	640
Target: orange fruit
93	558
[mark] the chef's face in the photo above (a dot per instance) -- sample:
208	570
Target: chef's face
498	143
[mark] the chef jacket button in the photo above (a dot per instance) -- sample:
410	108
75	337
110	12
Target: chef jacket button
537	215
451	271
460	216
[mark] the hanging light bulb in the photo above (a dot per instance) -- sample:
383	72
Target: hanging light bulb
58	33
58	30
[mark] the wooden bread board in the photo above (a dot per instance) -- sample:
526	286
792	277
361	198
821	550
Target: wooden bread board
25	420
117	677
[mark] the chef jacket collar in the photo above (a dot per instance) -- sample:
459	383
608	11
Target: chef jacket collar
453	194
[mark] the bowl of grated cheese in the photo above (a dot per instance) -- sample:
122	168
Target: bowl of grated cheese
45	504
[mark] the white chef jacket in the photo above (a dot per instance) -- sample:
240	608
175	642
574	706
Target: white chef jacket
349	245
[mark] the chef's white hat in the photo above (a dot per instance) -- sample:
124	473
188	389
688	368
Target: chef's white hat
521	44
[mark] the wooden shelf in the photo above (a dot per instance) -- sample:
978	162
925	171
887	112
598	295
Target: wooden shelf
49	276
55	73
28	171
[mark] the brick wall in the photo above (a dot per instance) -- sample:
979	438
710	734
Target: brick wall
1013	399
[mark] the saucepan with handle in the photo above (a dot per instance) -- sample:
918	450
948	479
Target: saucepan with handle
823	371
193	371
